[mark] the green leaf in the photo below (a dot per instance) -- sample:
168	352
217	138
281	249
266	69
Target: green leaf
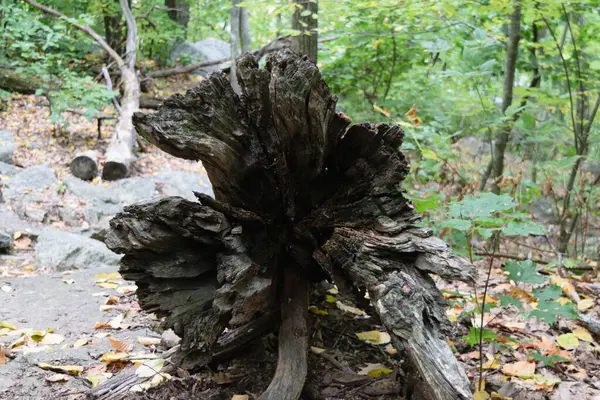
481	207
473	337
548	293
485	233
524	228
422	205
549	310
548	361
506	301
458	224
528	121
524	271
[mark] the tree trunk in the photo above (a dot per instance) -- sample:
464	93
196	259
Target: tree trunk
306	42
179	11
234	35
245	36
85	165
300	196
505	129
119	155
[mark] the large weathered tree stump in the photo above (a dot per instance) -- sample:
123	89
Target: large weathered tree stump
301	195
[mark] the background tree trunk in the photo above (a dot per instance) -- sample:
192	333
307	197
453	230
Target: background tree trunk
306	43
234	36
245	36
496	166
179	11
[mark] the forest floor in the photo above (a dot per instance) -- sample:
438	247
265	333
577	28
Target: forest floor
69	323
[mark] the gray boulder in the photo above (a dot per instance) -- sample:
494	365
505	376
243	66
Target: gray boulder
108	200
543	209
64	251
205	50
11	223
7	146
182	183
38	178
7	169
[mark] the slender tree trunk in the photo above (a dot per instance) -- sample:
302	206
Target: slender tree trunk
179	11
234	36
245	37
119	155
306	42
496	166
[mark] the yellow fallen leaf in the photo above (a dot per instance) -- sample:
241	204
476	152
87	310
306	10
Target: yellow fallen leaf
80	342
4	331
111	275
374	337
239	397
334	291
521	369
586	304
7	325
568	341
350	309
112	357
130	289
330	299
583	334
52	338
567	287
375	370
391	349
317	350
115	323
491	363
148	341
317	311
120	345
111	300
66	369
107	285
17	235
150	368
515	326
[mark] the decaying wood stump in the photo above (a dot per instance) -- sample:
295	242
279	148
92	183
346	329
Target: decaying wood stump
301	195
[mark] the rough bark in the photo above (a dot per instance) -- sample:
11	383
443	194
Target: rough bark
306	42
85	165
300	196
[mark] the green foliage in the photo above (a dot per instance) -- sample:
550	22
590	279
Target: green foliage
524	272
548	361
549	310
472	338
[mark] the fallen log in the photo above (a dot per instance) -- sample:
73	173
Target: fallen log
301	195
85	165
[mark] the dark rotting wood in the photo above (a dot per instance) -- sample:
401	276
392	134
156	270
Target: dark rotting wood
301	195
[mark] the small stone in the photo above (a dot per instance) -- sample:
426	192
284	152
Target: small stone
169	339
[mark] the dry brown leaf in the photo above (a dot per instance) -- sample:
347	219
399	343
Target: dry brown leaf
521	369
240	397
22	243
113	357
111	300
223	378
120	345
2	356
